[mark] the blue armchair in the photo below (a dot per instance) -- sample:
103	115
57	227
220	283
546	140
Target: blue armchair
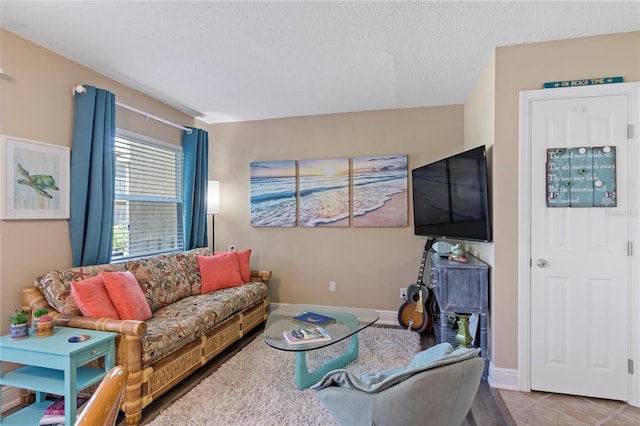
436	388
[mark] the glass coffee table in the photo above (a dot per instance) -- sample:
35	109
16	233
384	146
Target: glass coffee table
348	323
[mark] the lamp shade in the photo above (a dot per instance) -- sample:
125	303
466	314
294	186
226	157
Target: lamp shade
213	197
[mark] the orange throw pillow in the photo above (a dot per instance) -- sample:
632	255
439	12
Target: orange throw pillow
92	298
243	263
126	295
219	271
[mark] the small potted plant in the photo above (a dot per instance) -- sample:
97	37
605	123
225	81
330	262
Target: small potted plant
19	325
43	322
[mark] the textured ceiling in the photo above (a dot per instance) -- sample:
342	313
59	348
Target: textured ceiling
237	61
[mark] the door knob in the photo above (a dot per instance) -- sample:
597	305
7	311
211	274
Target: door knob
541	263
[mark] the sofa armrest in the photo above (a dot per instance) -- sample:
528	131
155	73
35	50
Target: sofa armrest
129	328
32	300
262	275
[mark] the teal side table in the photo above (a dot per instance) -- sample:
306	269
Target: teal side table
56	366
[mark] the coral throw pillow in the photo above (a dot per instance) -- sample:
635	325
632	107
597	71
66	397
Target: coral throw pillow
219	271
243	262
92	298
126	295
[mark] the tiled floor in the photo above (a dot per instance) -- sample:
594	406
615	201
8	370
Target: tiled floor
541	408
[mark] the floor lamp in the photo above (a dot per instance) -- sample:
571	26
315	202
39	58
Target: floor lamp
213	203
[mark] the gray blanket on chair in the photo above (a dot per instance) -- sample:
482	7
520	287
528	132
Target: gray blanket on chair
435	356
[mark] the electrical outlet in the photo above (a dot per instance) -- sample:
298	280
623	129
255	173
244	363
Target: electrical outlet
231	247
332	286
403	293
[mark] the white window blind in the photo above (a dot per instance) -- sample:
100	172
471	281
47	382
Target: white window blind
148	197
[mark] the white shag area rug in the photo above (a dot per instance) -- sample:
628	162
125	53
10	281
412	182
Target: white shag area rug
257	385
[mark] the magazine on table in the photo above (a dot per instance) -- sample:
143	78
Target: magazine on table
312	318
306	335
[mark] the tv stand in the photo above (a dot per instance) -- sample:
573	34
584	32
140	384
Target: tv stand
462	288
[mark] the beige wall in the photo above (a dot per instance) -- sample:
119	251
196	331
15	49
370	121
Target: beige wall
479	129
527	67
369	265
36	104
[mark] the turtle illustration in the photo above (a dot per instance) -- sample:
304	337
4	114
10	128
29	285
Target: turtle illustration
37	182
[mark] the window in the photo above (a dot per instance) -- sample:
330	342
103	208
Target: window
148	197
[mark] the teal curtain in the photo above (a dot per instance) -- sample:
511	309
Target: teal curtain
92	177
195	147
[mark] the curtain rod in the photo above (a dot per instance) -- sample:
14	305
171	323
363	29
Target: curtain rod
79	89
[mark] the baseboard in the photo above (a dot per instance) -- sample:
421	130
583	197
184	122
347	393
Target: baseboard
388	318
10	398
503	378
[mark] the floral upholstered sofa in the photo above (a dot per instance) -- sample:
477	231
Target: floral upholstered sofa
188	317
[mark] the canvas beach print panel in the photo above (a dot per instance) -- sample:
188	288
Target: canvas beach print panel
380	191
35	180
324	192
273	193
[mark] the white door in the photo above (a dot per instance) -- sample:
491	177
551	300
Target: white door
580	263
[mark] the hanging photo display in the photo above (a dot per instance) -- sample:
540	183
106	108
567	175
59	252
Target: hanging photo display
581	177
273	193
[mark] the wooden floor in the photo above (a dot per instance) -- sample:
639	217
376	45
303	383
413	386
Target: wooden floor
487	409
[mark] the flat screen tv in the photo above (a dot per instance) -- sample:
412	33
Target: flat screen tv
450	197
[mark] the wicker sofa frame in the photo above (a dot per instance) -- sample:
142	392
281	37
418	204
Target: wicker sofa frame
146	385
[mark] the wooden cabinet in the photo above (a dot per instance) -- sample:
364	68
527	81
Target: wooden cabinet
461	288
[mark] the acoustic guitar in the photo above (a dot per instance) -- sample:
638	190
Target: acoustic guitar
417	312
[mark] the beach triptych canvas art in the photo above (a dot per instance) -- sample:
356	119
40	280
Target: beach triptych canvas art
380	191
328	192
324	192
273	193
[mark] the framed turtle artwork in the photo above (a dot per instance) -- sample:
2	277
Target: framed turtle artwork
34	180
